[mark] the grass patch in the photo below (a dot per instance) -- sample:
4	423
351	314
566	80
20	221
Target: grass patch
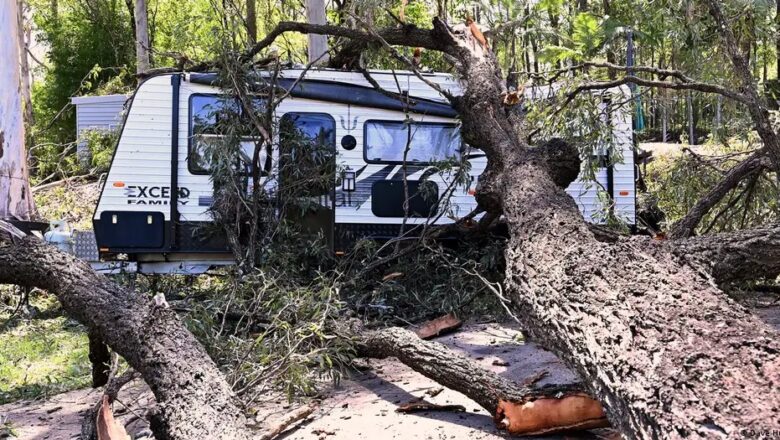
41	357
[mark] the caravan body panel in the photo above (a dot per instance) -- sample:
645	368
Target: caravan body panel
138	189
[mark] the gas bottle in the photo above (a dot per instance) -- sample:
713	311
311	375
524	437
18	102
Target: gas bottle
59	235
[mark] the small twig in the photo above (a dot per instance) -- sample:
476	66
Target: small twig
288	419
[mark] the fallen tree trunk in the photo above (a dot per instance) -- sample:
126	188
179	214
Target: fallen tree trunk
194	400
747	255
635	323
666	352
520	409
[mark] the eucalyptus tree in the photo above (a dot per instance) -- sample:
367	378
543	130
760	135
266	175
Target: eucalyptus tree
15	197
642	321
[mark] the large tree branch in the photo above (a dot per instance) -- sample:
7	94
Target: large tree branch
746	255
632	79
520	409
408	35
686	226
758	111
194	400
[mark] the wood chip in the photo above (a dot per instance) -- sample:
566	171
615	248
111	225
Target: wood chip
434	392
439	326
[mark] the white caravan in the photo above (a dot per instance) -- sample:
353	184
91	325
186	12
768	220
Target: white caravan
158	192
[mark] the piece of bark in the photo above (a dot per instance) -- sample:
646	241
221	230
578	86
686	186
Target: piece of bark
570	412
422	406
439	326
286	421
434	392
107	426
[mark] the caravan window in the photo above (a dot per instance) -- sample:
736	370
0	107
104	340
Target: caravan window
385	141
307	146
210	116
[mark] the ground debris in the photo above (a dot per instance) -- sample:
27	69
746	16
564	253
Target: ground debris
439	326
420	405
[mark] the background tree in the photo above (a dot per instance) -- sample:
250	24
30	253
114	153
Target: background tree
142	44
15	198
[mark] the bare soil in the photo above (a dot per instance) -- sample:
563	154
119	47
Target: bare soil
361	406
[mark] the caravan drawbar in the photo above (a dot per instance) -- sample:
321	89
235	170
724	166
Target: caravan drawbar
157	193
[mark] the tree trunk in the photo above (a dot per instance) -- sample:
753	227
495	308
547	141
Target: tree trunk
15	198
620	314
691	122
24	44
318	44
142	47
251	22
194	400
623	316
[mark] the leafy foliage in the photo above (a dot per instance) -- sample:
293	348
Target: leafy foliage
676	183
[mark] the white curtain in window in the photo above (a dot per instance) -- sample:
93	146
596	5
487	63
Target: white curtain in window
386	141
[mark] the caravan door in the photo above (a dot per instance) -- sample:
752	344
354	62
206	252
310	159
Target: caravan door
307	170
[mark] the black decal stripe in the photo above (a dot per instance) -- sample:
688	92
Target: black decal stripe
410	171
362	188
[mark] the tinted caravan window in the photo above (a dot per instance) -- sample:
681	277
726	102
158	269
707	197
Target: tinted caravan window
209	119
307	146
385	141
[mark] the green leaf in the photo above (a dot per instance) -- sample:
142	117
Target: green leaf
587	33
553	54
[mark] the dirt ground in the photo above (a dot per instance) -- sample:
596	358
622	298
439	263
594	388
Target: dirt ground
361	406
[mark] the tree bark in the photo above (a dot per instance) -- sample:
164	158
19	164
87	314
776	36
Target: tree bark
194	400
318	44
747	255
16	201
142	47
251	22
